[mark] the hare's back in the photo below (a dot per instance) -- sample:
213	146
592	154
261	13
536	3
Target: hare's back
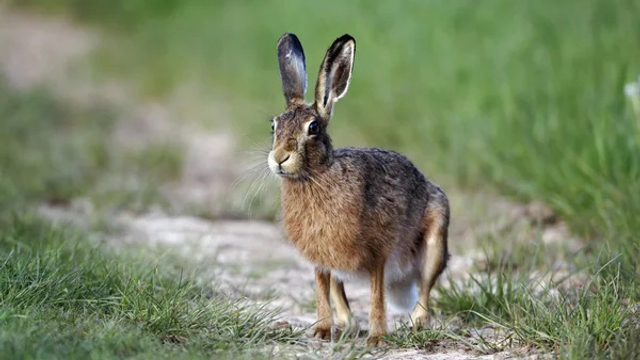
381	167
389	181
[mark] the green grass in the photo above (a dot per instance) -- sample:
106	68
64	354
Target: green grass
596	319
63	298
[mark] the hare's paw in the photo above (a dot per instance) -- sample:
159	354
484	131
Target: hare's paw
322	332
348	326
376	341
420	318
420	322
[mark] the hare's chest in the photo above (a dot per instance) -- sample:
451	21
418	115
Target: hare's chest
324	227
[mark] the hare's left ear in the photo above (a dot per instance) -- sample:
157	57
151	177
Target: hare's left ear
293	70
335	73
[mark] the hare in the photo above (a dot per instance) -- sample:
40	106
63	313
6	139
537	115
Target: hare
355	213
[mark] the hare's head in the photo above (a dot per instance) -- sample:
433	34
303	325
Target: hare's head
301	144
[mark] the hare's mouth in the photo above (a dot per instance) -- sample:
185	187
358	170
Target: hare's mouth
284	173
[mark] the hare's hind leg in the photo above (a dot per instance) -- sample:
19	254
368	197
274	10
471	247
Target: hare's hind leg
346	321
434	258
377	316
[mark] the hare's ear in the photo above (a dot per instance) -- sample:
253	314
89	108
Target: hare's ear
293	71
335	73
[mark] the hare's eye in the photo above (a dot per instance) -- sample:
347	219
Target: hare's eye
313	128
273	126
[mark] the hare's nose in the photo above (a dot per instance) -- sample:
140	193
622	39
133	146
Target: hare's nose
283	160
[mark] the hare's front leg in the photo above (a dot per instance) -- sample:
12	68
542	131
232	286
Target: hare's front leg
322	328
377	315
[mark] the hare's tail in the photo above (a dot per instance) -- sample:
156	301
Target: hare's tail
402	296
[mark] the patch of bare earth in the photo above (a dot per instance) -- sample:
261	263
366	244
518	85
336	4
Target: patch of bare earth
248	258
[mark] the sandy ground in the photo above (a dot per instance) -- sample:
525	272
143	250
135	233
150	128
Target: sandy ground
250	258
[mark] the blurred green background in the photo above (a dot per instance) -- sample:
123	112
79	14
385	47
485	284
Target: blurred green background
522	96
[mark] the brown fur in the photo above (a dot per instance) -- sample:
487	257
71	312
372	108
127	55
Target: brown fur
377	316
326	217
435	255
352	211
322	329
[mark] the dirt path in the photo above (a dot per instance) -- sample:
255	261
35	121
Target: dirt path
249	258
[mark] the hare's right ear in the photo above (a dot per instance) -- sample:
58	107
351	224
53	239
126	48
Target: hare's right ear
335	74
293	70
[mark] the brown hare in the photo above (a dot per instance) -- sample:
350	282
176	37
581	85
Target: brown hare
355	213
